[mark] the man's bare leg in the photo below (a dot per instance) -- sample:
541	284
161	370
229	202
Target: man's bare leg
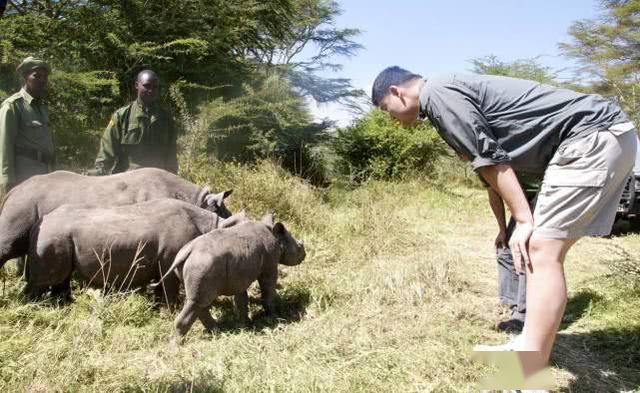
546	297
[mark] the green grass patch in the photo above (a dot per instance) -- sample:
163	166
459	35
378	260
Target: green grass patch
398	285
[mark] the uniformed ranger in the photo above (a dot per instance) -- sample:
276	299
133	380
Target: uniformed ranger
141	134
26	144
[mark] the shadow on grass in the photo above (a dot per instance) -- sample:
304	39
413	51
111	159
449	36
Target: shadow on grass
205	382
606	360
578	305
290	306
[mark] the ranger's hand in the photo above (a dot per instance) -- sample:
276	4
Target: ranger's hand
519	245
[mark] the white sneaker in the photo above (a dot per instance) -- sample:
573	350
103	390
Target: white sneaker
515	344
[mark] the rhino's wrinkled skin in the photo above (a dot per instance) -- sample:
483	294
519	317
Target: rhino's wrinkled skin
226	261
26	203
122	247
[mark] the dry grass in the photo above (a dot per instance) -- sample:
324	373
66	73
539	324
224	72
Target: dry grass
398	285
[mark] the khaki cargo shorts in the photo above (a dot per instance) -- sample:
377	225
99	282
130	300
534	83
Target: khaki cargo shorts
583	183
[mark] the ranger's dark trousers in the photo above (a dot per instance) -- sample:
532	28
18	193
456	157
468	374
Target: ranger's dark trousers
512	287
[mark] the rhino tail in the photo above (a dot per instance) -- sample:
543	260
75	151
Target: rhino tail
180	258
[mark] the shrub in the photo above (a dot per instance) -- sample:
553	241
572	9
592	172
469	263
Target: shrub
268	121
377	147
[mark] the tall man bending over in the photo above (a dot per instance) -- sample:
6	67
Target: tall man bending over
141	134
583	144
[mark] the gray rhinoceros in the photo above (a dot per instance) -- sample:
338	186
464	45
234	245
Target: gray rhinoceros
25	204
226	262
120	247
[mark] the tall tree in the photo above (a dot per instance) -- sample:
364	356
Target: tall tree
523	68
312	47
608	49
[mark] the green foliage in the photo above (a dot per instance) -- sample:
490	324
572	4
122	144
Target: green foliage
80	103
239	62
608	50
523	68
377	147
267	121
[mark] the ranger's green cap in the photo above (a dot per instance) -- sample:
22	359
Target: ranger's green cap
30	64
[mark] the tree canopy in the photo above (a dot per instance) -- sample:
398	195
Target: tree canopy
608	49
247	65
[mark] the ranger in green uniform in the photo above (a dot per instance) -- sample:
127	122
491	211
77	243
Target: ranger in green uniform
26	144
141	134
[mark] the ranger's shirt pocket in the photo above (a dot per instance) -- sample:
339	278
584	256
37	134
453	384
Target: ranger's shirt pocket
159	132
33	128
132	136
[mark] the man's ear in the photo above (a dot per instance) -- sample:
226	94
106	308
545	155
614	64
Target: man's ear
394	90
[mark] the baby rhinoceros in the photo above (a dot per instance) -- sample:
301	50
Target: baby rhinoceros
226	262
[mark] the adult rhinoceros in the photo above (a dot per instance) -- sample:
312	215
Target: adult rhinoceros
28	202
120	247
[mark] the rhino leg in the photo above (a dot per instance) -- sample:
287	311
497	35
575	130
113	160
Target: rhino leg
241	301
168	291
268	293
207	320
19	266
62	291
33	292
186	318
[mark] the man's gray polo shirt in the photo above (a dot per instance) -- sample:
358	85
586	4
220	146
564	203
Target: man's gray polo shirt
493	119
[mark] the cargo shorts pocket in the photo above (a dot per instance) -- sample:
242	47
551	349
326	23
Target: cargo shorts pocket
575	149
568	201
567	177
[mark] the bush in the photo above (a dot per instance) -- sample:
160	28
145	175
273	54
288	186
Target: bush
377	147
268	121
80	104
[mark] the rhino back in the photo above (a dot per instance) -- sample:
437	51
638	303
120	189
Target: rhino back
137	240
229	260
26	203
47	192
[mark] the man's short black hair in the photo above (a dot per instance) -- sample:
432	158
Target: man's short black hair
390	76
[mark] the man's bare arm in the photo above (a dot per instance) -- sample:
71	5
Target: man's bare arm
503	180
497	207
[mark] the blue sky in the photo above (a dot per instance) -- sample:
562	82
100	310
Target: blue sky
430	37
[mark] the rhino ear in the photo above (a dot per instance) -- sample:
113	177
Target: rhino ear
279	229
267	219
215	199
202	196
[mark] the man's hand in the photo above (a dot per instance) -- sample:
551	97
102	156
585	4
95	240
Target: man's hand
519	245
501	240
